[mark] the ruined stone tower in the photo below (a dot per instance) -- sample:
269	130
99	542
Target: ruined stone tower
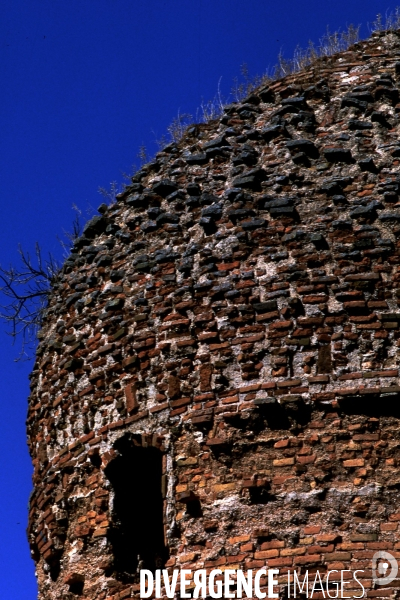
217	382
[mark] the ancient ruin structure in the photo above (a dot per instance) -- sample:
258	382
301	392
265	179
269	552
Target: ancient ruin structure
217	379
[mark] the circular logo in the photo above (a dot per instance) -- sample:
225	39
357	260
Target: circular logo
384	568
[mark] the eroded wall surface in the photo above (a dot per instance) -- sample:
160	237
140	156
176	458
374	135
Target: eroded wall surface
226	337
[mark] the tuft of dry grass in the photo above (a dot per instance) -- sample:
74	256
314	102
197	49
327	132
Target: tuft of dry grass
389	23
179	125
328	45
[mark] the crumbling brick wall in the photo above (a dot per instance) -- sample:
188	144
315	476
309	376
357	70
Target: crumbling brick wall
236	310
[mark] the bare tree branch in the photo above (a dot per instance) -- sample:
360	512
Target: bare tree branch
25	292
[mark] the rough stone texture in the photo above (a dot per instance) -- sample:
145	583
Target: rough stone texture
237	313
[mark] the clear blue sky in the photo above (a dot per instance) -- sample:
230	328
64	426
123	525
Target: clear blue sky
84	84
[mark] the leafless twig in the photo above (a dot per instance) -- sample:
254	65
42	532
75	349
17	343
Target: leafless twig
25	290
110	195
179	125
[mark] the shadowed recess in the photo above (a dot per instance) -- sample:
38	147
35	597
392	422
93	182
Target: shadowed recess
137	536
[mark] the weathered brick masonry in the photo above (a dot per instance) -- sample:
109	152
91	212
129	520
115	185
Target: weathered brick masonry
228	332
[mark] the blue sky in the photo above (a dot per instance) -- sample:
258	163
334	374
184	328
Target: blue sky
85	83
